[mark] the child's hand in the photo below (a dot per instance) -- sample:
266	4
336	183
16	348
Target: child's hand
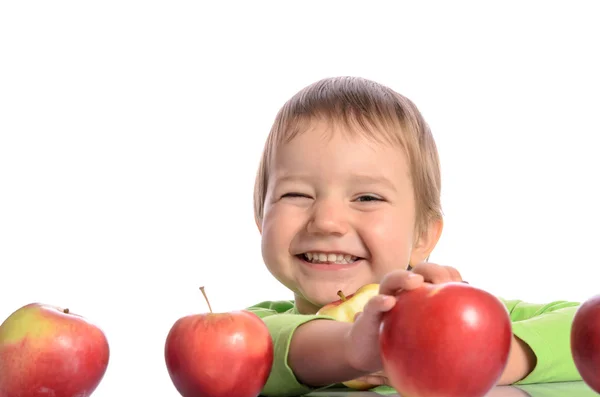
376	379
363	340
436	274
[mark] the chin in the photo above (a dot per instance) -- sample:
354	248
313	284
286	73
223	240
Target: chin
326	299
325	294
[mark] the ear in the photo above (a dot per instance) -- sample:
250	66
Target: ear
258	224
426	242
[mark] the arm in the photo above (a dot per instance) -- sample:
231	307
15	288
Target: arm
352	349
312	352
541	350
521	362
308	359
283	322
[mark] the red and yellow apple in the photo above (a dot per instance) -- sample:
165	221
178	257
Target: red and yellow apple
345	309
449	340
585	342
49	351
219	354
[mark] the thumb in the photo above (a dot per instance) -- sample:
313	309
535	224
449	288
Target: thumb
364	334
374	308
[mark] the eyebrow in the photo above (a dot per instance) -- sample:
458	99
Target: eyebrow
360	179
285	177
372	180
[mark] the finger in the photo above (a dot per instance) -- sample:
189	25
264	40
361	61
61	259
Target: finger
375	306
374	380
356	316
365	329
454	274
433	273
400	279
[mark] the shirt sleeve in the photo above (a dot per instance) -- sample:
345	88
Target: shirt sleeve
546	328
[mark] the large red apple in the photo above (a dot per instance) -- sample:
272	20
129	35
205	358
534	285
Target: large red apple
585	342
445	340
48	351
219	354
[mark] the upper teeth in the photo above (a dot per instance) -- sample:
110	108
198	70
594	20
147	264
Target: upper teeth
333	258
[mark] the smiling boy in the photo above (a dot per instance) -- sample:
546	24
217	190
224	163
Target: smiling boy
347	194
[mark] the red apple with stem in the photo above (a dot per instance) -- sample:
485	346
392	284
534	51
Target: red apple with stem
219	354
49	351
450	340
585	342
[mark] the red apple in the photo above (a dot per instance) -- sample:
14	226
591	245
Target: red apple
49	351
585	342
445	340
219	354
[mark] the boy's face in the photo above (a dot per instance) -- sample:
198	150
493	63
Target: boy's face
339	213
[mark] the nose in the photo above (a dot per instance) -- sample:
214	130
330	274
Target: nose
328	217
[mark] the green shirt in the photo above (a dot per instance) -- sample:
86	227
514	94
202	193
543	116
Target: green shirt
544	327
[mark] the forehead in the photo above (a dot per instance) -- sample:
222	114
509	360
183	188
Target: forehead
377	129
332	149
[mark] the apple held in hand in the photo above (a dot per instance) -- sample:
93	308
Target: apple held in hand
219	354
585	342
450	340
345	309
48	351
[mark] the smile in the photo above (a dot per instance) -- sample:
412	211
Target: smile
328	258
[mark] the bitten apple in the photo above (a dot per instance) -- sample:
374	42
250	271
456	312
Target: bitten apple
49	351
585	342
345	309
219	354
450	340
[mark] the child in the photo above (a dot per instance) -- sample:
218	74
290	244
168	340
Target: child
347	194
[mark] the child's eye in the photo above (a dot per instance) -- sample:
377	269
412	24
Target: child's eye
368	197
294	194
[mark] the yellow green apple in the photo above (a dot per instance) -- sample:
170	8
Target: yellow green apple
49	351
345	309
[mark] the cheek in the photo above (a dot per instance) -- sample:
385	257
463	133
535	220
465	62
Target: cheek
388	236
279	228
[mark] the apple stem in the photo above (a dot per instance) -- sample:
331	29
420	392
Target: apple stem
66	311
206	298
342	296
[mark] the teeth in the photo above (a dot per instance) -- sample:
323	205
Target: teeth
320	257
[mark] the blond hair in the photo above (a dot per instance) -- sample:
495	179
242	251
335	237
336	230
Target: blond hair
363	107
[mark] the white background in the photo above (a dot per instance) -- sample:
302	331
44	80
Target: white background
130	133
